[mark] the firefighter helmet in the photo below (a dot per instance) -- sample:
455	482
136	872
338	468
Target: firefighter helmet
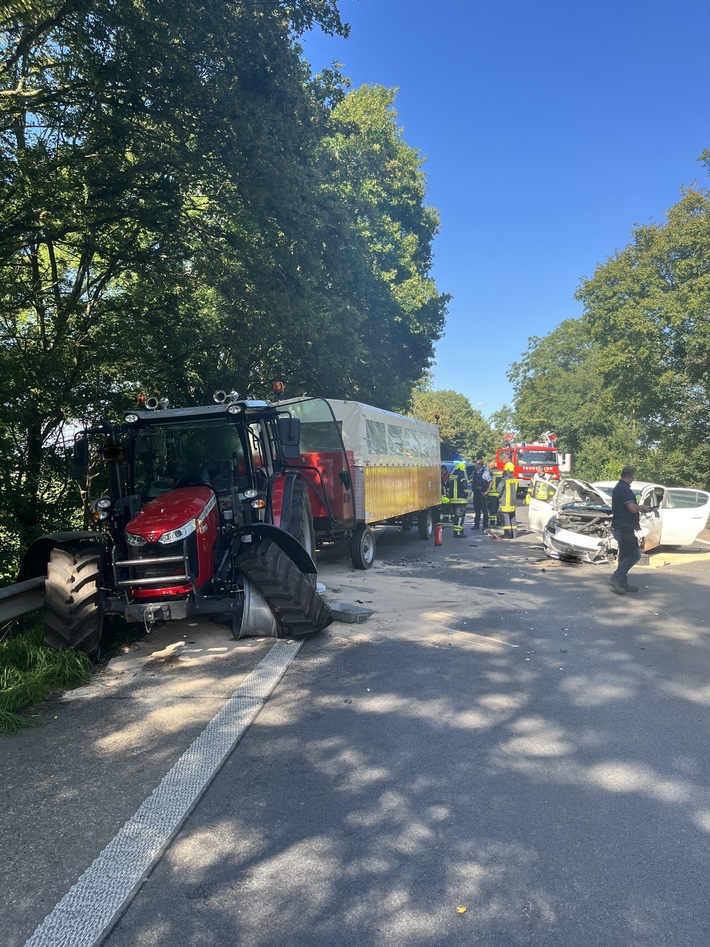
509	466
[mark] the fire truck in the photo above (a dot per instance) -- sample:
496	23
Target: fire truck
528	456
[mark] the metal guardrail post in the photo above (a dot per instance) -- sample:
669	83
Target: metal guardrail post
21	598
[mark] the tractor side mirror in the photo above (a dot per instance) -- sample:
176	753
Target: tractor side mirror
81	457
290	437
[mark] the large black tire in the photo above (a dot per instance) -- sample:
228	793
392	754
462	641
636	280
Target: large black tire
73	599
425	524
299	518
362	547
291	596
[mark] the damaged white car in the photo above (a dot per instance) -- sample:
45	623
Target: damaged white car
574	517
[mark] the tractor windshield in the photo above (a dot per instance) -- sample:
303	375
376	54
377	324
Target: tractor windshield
178	455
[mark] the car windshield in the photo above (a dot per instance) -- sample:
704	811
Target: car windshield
578	492
608	490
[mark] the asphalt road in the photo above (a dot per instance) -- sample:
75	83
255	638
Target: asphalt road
505	753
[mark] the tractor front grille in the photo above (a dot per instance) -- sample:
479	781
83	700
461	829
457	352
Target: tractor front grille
154	565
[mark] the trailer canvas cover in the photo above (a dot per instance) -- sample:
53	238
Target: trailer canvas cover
379	438
396	461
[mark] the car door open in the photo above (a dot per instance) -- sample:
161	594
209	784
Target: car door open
541	507
684	514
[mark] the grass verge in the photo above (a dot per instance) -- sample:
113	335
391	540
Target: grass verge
31	672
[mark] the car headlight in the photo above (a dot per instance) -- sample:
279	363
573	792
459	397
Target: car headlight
175	535
134	540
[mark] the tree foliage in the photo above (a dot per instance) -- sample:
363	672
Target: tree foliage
629	382
463	430
184	207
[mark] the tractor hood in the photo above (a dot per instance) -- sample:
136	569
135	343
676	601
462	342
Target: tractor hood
183	507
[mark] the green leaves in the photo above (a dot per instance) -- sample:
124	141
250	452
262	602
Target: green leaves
630	380
183	208
463	430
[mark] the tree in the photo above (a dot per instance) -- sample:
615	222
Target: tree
558	386
379	180
629	382
464	431
119	124
647	310
184	207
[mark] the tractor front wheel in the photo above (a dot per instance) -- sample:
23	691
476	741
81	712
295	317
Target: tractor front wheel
296	605
73	599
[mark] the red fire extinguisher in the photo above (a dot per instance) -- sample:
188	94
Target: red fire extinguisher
438	534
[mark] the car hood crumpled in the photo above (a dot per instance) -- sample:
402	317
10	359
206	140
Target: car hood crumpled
573	492
580	527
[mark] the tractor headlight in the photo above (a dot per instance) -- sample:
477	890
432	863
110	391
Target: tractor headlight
101	509
134	540
175	535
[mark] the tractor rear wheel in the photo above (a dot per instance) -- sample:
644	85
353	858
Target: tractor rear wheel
73	599
301	517
291	595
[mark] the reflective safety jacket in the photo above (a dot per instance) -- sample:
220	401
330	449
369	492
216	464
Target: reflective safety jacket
508	488
457	486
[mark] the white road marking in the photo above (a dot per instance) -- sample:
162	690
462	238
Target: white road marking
91	907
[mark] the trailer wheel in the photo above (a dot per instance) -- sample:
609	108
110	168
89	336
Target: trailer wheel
73	599
362	547
425	523
291	596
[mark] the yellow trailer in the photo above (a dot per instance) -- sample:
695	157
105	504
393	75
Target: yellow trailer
389	471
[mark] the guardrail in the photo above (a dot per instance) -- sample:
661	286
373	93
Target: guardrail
21	598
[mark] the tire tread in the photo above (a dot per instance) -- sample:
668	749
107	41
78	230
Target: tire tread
298	608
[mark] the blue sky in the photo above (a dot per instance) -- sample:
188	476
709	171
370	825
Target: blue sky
549	130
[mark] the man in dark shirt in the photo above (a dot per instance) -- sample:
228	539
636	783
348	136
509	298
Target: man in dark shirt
624	523
480	482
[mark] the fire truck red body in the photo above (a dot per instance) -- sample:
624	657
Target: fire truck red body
528	457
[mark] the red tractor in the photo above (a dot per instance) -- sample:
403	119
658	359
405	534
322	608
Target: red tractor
197	513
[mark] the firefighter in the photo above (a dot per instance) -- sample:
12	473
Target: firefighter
508	489
493	499
541	486
444	515
457	491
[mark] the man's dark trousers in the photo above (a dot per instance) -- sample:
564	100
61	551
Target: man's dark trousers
628	555
480	508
